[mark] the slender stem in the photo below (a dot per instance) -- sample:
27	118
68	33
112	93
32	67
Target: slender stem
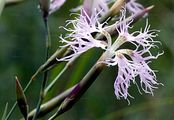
51	104
48	88
41	97
53	117
9	114
45	76
5	112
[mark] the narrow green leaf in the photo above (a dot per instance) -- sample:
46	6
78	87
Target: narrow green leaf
21	99
5	112
2	3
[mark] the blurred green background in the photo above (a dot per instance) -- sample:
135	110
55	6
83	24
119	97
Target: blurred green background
22	50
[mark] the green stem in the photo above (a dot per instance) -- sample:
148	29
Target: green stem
48	45
41	98
50	63
51	104
59	75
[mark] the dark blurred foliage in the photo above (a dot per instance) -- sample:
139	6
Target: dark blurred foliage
22	50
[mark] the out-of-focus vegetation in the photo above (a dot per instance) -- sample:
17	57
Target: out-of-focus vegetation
22	49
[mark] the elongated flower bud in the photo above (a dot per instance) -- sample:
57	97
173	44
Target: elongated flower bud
21	99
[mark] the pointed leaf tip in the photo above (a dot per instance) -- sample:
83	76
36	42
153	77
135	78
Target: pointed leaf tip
21	99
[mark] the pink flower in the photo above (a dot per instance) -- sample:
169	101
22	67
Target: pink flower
133	62
81	38
143	37
100	6
133	6
55	5
131	67
91	6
